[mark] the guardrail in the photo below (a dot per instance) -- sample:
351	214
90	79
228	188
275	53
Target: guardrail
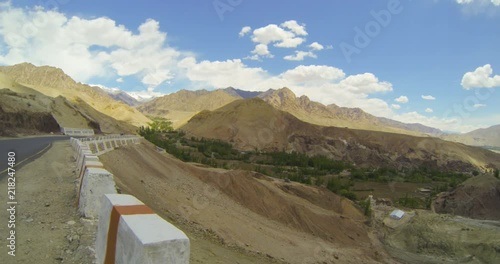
102	144
77	131
128	231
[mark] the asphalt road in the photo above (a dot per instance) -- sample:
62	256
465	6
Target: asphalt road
25	149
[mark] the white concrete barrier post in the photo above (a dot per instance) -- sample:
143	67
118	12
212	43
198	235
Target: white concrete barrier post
86	157
89	164
130	232
96	182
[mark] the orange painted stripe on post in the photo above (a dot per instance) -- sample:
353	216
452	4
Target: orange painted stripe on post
114	220
84	167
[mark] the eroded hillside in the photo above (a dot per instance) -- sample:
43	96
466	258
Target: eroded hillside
54	82
246	210
253	124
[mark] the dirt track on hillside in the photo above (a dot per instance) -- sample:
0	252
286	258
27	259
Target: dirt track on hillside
246	217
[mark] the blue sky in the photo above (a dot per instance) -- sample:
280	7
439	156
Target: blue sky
436	62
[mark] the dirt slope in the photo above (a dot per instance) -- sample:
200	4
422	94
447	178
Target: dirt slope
478	198
253	124
27	112
246	211
54	82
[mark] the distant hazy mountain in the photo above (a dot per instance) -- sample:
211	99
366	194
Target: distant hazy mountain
125	97
412	127
481	137
241	93
119	95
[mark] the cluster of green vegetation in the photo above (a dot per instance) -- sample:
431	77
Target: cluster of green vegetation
412	202
497	173
314	170
366	205
421	174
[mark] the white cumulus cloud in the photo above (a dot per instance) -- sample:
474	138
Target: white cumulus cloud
86	48
313	74
289	34
262	50
316	46
244	31
395	106
482	77
468	2
428	97
299	30
479	105
429	110
217	74
402	99
300	56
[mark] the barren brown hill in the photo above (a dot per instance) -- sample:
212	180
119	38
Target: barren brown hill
254	124
179	107
478	198
54	82
331	115
481	137
26	111
247	211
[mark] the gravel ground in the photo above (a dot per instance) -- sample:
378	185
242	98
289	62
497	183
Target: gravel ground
48	226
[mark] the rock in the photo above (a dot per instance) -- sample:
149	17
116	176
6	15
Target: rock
71	222
72	238
29	220
47	204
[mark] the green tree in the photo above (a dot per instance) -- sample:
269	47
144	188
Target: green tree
367	206
161	125
497	173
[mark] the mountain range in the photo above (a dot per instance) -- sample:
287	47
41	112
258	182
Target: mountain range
253	124
184	104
